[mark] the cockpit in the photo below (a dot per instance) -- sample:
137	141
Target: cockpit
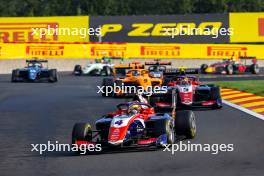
132	109
34	64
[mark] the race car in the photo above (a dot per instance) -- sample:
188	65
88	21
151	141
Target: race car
157	66
100	67
135	124
34	71
133	80
189	92
165	69
232	66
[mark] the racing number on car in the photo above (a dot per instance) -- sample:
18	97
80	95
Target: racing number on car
119	122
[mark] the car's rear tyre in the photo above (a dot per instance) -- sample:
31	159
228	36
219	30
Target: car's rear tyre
185	124
203	68
162	126
107	82
215	94
254	68
77	70
106	71
53	77
166	81
82	132
229	69
15	75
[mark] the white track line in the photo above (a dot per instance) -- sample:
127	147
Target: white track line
244	109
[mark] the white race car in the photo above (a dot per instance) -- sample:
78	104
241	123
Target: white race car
100	67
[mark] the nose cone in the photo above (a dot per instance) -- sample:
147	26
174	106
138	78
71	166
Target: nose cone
186	98
32	74
116	135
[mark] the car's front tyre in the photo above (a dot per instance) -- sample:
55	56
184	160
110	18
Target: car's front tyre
77	70
81	131
53	76
254	69
15	75
203	68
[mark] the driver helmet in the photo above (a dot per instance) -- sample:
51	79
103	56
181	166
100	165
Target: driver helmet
134	109
185	81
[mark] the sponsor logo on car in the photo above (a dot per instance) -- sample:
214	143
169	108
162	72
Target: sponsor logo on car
226	51
45	50
113	51
22	32
160	50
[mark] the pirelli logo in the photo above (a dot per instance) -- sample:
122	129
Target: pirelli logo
261	26
45	51
23	32
113	51
160	50
226	51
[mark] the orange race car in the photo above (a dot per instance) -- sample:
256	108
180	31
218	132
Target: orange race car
128	81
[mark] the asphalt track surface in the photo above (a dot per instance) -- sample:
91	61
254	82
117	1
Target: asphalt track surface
38	112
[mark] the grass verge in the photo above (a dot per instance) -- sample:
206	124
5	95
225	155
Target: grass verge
253	86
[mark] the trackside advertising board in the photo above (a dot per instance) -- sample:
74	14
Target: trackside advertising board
128	50
248	27
132	36
199	28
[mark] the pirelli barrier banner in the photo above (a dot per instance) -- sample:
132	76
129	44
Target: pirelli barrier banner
172	36
128	50
44	29
248	27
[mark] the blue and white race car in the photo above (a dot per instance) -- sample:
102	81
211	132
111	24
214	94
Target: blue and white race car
135	124
34	71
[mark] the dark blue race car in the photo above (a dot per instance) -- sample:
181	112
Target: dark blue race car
34	71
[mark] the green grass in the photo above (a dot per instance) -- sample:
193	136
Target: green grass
256	86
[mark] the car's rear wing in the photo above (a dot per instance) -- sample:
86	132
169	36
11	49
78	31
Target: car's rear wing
247	57
157	63
121	70
133	65
36	60
181	71
117	58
